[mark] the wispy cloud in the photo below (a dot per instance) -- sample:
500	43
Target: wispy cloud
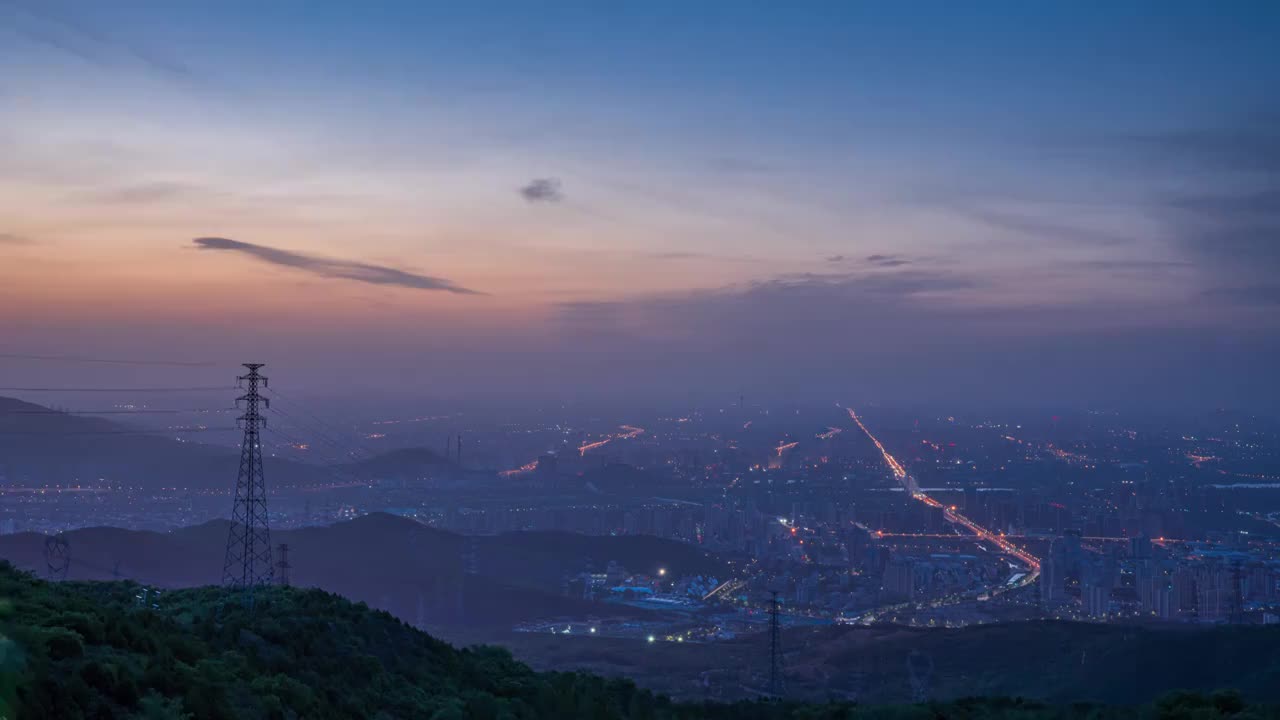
887	261
331	268
1250	295
1227	219
12	239
901	284
882	261
542	190
149	192
679	255
740	166
37	23
1136	265
1036	227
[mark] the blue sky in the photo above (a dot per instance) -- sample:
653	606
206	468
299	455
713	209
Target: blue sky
630	178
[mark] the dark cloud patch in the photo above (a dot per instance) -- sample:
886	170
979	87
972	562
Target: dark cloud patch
13	239
330	268
887	261
542	190
879	260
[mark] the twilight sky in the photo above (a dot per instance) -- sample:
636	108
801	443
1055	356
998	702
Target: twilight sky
982	203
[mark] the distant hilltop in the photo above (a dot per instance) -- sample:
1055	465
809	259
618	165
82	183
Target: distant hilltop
45	446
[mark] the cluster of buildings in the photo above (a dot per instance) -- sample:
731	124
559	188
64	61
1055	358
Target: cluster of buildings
1230	580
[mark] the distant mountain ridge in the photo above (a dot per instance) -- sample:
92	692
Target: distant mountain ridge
416	572
45	446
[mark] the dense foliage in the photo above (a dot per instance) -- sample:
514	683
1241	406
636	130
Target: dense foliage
93	650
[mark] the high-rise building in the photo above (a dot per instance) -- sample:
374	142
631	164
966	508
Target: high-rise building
1184	592
971	500
1053	574
899	578
1215	594
1096	598
1140	547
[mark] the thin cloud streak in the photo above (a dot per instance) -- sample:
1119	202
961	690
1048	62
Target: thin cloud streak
38	24
1039	228
887	261
332	268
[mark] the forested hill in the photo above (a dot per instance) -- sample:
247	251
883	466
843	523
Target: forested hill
107	650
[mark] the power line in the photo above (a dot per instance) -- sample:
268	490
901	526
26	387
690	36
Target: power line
103	361
219	388
321	422
288	438
292	441
334	471
324	430
147	411
158	432
344	454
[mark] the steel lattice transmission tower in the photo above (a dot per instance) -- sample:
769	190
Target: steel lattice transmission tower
248	559
776	687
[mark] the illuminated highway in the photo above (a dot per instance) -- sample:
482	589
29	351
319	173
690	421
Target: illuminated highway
630	432
527	467
997	539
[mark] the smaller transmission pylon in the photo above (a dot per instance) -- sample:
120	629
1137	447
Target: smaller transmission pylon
776	687
282	565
